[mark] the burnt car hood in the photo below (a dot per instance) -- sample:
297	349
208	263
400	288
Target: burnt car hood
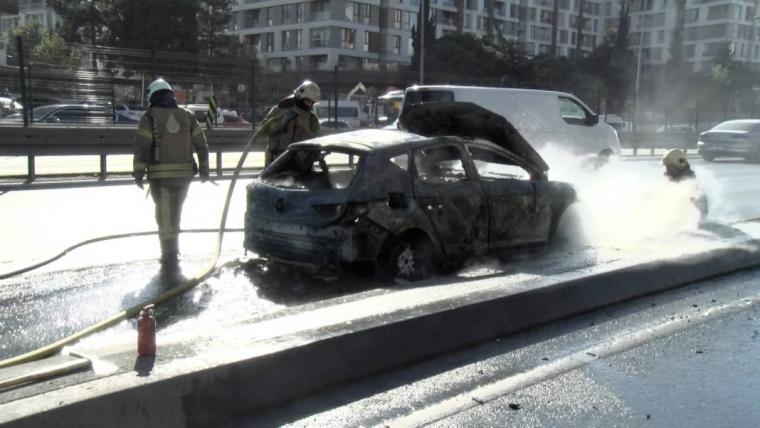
468	120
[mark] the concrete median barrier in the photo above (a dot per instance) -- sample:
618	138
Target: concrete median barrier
258	365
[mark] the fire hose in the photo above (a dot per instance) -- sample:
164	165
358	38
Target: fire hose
133	311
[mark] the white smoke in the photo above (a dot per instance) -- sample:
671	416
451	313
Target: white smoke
623	205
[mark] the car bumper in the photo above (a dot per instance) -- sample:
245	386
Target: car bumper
717	150
303	245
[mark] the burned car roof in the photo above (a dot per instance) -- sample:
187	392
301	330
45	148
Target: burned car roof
364	140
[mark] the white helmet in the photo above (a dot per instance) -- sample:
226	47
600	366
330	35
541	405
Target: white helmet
158	85
675	160
307	90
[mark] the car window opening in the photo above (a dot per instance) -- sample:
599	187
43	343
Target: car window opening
496	166
439	165
314	169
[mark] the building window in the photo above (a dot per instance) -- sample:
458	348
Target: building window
268	42
366	41
291	40
410	20
397	45
299	13
269	16
692	15
347	38
397	18
320	37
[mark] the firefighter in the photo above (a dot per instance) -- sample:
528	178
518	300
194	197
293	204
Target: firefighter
678	170
163	144
676	165
291	120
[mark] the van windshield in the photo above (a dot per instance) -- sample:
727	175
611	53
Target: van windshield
427	96
312	168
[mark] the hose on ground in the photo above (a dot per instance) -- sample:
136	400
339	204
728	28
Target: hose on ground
130	312
100	239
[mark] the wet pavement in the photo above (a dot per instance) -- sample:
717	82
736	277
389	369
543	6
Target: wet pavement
101	279
680	358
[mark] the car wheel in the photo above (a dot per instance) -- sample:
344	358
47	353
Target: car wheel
409	258
708	158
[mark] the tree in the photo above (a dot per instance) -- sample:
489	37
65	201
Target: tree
170	25
429	36
213	19
729	77
466	55
44	47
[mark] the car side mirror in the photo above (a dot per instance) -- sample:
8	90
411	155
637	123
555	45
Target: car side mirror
592	119
397	200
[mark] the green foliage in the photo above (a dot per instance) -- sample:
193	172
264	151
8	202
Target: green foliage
465	54
140	24
213	20
44	47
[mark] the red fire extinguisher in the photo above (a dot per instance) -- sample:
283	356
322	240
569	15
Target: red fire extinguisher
146	333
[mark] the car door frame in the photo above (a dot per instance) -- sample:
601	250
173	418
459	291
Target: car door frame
508	228
459	235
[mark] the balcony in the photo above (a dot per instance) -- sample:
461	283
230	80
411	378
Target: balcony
323	15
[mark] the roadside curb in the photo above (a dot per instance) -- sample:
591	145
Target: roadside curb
210	388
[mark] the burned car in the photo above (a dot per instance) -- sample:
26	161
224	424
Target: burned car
403	201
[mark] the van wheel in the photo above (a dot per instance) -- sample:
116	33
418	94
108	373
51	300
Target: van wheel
410	258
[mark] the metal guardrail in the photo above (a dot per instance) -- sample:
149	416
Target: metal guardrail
658	140
102	141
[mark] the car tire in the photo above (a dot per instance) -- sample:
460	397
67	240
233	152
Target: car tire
708	158
409	258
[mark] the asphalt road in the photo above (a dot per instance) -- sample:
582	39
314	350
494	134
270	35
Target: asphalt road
625	215
682	358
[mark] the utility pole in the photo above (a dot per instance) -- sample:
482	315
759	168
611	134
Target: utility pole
555	25
423	22
22	75
636	98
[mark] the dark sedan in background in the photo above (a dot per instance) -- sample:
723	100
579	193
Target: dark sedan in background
732	139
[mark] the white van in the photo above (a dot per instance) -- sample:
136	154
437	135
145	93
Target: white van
349	112
542	117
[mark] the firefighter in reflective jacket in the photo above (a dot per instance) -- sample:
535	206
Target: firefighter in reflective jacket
163	144
291	120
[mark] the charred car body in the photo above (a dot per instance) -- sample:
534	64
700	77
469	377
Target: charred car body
405	201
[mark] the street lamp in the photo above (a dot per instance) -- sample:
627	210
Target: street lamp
635	128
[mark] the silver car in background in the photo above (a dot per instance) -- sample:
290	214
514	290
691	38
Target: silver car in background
734	139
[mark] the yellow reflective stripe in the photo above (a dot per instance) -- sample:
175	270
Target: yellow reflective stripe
139	165
198	130
144	133
170	170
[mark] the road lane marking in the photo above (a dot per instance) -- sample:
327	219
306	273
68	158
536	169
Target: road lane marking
618	344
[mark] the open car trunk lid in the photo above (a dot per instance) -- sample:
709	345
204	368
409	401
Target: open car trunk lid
468	120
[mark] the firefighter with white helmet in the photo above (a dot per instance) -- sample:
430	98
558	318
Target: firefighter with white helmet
676	165
677	169
164	143
291	120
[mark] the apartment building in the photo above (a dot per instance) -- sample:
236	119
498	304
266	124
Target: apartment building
708	26
24	11
376	34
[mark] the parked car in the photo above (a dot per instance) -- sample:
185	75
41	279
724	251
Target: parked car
403	201
331	124
233	120
542	117
734	138
9	106
82	114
